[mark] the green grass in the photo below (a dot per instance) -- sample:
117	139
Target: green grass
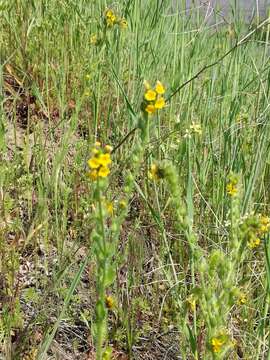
176	259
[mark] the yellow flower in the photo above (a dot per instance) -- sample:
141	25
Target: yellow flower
264	224
191	302
242	299
122	204
109	207
150	109
93	39
95	151
108	148
253	243
160	103
160	88
99	161
146	85
93	175
232	189
152	98
103	171
109	22
93	163
109	301
104	159
216	344
196	128
123	23
110	17
31	355
153	172
156	172
150	95
109	14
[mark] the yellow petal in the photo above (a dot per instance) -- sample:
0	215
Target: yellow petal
123	23
160	88
150	109
109	301
146	85
109	207
109	13
123	204
104	159
95	151
150	95
93	174
108	148
160	103
93	163
103	171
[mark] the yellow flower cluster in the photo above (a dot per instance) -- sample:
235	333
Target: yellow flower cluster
156	172
254	242
242	298
31	355
256	235
232	186
99	162
93	39
191	302
122	204
109	301
264	224
153	98
232	189
109	208
111	19
216	344
253	228
220	341
193	129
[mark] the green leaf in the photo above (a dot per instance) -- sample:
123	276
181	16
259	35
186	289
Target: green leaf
30	295
192	340
109	275
100	310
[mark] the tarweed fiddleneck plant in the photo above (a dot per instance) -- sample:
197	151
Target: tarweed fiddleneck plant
110	20
99	164
217	290
105	235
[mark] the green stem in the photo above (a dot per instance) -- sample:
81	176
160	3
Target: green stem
101	318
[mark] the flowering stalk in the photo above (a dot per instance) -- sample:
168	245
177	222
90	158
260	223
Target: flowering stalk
218	278
104	236
101	313
99	171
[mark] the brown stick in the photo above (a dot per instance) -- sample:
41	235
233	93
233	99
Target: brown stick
240	42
